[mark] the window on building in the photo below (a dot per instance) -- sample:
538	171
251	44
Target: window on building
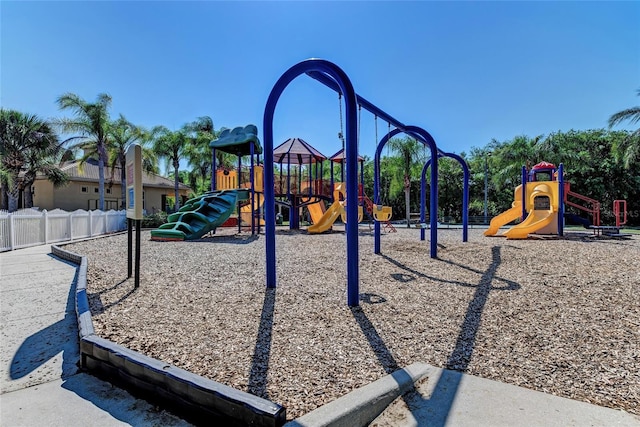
108	190
95	189
84	189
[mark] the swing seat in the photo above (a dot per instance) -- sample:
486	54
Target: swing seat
343	214
382	213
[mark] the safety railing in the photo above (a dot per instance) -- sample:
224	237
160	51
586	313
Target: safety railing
593	209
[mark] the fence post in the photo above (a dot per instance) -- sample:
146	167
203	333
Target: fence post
11	232
45	225
70	226
90	223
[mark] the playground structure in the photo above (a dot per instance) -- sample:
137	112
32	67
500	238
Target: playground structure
296	189
335	78
205	213
539	202
301	184
244	141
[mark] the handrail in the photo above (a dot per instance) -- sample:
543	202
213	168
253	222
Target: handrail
617	212
594	210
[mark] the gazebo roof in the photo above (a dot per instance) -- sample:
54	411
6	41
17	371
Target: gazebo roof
296	151
340	156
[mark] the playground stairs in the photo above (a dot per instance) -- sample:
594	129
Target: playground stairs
608	231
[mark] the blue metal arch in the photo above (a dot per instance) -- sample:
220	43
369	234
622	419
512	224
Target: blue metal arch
465	194
424	137
351	147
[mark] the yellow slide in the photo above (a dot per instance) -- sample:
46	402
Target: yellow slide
330	216
316	210
536	220
504	218
245	211
327	219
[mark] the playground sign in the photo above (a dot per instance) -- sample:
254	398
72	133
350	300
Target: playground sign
134	181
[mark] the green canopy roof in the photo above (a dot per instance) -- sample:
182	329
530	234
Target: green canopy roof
238	141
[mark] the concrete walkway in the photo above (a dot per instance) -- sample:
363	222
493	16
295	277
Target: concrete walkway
40	384
39	350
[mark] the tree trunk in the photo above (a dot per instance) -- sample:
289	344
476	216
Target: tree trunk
101	156
407	205
13	193
123	183
407	201
176	166
28	180
3	197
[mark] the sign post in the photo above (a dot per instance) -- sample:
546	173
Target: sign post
134	203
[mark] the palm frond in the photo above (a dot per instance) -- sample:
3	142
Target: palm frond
630	114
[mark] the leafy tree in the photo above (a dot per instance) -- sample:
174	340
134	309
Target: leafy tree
45	161
450	188
27	144
198	152
123	133
411	157
172	146
628	150
589	163
92	122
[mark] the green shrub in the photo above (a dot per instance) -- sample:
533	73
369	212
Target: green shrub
155	220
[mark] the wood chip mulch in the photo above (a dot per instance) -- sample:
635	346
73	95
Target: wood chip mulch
560	316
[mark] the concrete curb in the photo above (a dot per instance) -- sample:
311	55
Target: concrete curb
197	399
360	407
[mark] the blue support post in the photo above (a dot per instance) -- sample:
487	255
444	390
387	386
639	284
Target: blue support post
253	192
465	194
331	181
424	137
524	193
361	181
346	88
213	169
238	184
561	201
423	197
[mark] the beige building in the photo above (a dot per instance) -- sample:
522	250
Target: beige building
82	190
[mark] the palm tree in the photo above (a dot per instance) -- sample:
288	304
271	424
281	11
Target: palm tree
198	152
5	176
123	133
171	145
46	161
92	122
27	144
411	153
629	149
508	158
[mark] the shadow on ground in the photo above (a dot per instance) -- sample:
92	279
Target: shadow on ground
436	407
40	347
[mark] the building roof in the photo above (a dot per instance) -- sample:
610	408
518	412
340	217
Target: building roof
88	172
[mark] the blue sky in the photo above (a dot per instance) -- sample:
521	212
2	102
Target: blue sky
467	72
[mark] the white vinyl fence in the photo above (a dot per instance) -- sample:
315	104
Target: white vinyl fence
31	227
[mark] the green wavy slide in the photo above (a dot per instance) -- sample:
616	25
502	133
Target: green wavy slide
200	215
